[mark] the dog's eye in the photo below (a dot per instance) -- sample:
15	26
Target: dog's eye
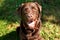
26	9
33	7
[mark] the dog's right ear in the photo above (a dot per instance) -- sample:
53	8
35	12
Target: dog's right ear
19	10
39	7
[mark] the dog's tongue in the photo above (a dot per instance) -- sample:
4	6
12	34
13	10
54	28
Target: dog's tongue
32	24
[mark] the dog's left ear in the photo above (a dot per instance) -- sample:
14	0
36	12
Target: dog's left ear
39	7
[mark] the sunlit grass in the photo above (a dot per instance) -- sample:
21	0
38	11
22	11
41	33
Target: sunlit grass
50	31
6	27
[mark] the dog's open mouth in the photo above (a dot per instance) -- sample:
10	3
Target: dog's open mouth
32	24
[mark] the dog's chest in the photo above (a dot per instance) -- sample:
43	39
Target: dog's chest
29	36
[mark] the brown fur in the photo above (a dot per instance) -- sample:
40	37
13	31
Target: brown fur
30	21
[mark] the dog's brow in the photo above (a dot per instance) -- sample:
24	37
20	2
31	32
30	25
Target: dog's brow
33	4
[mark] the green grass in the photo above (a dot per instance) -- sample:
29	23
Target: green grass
9	20
50	31
8	30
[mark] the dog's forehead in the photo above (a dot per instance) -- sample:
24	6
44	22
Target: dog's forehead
30	4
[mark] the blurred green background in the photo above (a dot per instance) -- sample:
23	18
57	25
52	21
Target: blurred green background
9	19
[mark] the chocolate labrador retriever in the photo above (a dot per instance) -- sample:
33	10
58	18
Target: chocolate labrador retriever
30	13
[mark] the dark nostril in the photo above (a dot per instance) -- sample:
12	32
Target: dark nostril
31	16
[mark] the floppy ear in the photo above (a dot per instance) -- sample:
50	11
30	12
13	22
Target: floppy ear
19	10
39	7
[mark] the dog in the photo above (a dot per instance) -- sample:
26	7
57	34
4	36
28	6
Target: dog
30	25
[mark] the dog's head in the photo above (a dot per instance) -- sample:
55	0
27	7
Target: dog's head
30	12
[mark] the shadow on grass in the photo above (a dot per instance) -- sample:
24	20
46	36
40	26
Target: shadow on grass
10	36
8	10
51	10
